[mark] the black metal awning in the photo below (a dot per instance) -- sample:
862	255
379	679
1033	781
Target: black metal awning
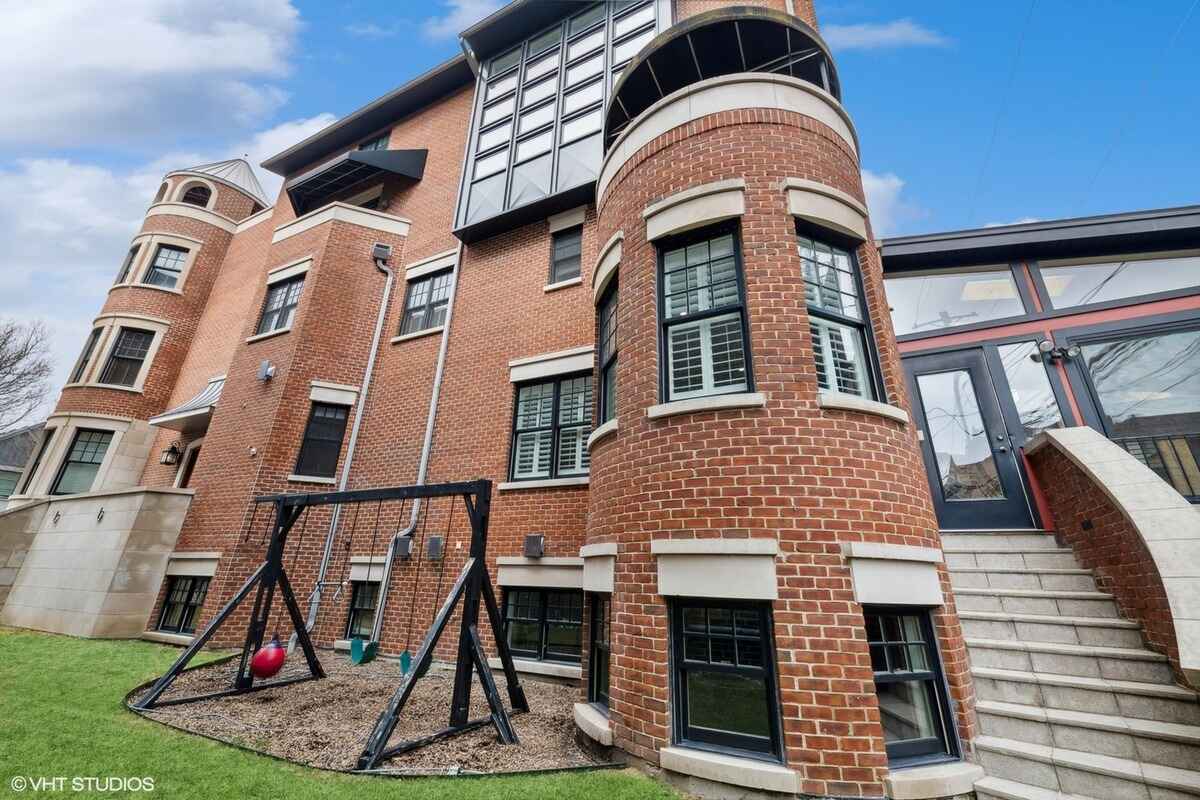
714	43
315	187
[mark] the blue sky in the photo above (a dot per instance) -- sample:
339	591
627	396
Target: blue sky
969	113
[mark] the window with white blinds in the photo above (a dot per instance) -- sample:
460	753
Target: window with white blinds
703	317
837	318
550	429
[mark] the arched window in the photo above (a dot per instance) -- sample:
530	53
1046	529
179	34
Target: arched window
197	196
162	192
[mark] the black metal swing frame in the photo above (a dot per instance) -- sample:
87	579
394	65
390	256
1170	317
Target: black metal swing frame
472	588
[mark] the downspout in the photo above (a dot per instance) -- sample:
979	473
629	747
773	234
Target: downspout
314	603
426	449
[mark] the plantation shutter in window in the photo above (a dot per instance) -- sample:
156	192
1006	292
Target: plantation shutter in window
575	424
535	431
837	350
707	357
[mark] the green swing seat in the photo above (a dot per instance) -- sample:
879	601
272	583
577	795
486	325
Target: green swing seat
362	651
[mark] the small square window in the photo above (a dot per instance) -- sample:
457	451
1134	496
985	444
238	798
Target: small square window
279	307
567	254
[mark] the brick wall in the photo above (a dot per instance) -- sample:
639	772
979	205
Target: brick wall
801	8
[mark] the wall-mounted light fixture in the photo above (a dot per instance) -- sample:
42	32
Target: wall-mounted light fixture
171	454
1047	350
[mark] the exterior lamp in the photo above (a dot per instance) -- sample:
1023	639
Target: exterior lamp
171	454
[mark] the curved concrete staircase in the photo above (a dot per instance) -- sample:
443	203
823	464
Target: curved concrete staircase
1071	704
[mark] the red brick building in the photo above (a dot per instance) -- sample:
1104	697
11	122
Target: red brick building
629	276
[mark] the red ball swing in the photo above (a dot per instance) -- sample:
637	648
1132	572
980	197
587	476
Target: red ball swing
267	662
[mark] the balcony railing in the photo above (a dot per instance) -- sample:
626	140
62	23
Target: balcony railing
1175	458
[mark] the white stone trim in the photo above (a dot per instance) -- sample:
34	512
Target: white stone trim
341	212
367	569
569	282
311	479
953	779
201	565
606	265
110	325
430	265
826	206
162	637
724	93
337	394
123	457
593	723
189	211
255	218
597	550
147	244
404	337
577	359
289	270
852	402
549	483
720	768
892	574
258	337
716	402
695	207
604	430
550	668
599	564
567	219
736	569
552	573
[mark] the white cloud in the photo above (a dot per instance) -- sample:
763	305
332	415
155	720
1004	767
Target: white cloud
1021	221
370	30
890	209
119	71
65	225
880	35
460	14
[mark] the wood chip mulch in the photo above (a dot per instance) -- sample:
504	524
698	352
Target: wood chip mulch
325	723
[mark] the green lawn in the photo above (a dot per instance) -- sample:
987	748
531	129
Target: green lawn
61	714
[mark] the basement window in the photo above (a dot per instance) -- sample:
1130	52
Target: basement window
363	601
545	624
182	603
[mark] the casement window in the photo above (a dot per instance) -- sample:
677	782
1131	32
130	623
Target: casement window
197	196
427	302
837	318
545	624
126	357
601	649
86	356
8	483
703	315
127	264
607	348
363	601
182	603
913	707
566	255
167	266
43	446
279	307
380	142
322	441
79	468
550	429
724	693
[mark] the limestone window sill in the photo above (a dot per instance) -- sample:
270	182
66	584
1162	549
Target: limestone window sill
722	768
258	337
113	386
604	430
551	483
569	282
851	402
697	405
172	290
594	723
950	779
406	337
572	671
181	639
311	479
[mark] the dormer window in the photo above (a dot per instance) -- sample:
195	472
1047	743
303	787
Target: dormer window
197	196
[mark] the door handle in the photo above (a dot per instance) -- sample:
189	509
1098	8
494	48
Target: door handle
1001	450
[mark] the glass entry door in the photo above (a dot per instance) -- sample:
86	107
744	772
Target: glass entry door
970	458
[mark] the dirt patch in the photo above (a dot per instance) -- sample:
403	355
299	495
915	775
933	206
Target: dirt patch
325	723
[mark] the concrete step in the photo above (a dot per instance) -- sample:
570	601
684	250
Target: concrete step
1009	558
1148	741
1080	580
1076	772
991	788
1021	540
1037	601
1102	631
1114	663
1155	701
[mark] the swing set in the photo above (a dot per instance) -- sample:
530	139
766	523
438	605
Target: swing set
470	590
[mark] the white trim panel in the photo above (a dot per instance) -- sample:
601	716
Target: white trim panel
428	266
852	402
340	212
190	211
334	393
607	263
735	569
695	207
578	359
289	270
567	219
891	574
551	573
826	206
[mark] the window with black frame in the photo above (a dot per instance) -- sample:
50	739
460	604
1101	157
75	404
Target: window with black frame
279	307
724	676
197	196
913	707
364	599
566	254
599	655
608	353
85	357
703	315
545	624
127	264
322	441
127	356
167	266
182	603
427	302
43	446
551	425
837	318
80	467
379	142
